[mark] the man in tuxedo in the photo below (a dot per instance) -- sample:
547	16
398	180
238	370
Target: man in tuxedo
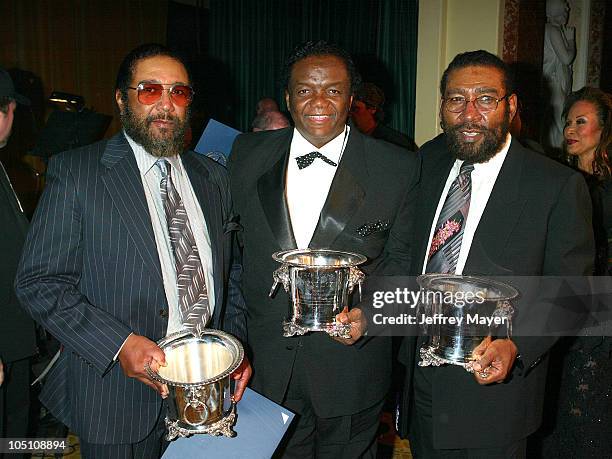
131	241
17	337
487	206
320	185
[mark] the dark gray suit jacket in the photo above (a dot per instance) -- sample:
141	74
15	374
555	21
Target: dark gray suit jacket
17	338
373	182
537	222
91	275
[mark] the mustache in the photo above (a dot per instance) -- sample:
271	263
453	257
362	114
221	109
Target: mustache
161	116
469	127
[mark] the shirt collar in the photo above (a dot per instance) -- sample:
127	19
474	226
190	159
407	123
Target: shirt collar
332	149
146	161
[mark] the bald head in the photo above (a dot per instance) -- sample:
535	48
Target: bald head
269	121
266	104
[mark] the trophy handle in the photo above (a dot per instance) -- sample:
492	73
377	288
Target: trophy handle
280	276
356	277
505	311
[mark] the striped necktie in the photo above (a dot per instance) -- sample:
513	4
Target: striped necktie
192	292
446	242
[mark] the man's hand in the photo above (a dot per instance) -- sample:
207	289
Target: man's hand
495	360
1	373
358	323
241	375
137	351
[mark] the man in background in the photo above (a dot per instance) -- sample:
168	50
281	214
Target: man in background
269	121
266	104
367	113
17	336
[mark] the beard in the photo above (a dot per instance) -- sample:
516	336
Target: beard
491	144
169	143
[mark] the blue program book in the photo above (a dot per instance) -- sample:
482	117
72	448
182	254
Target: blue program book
260	427
217	137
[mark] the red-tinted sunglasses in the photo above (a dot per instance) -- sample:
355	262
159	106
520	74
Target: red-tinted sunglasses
150	93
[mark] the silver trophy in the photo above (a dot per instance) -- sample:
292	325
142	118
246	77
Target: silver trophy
319	283
198	378
460	313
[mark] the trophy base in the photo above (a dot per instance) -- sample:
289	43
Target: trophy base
224	426
290	328
429	358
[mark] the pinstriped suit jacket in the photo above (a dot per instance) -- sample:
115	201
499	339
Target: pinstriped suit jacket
91	275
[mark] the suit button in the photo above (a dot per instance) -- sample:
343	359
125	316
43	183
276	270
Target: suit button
289	348
163	313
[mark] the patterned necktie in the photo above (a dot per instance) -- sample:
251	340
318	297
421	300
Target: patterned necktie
192	292
446	242
307	159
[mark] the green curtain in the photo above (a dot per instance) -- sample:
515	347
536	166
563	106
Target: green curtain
251	39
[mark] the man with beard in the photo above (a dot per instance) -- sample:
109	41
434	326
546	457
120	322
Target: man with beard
487	206
131	242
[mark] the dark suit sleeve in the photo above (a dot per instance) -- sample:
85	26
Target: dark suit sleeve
397	252
569	251
49	274
234	316
234	320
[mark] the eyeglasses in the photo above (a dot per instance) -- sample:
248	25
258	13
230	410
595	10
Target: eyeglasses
482	103
150	93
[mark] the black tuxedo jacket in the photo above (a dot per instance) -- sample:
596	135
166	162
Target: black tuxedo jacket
91	275
17	339
372	184
537	222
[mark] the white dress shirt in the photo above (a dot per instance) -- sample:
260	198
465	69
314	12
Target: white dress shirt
484	176
307	188
151	178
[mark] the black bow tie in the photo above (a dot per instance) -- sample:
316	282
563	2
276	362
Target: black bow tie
306	160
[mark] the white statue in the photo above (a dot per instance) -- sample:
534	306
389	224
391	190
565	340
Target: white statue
559	53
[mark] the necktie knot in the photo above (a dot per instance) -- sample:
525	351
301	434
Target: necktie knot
307	159
466	168
164	167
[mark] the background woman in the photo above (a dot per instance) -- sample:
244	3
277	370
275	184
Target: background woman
579	391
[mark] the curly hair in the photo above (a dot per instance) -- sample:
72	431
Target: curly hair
320	48
602	163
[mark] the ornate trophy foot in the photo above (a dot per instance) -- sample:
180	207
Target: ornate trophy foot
429	358
290	328
339	329
223	426
173	430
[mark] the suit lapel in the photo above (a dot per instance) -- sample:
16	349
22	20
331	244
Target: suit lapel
209	198
271	191
345	193
499	218
124	186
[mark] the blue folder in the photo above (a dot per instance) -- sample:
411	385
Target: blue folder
260	427
217	137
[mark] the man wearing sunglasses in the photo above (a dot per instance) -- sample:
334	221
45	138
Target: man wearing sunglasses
488	206
131	241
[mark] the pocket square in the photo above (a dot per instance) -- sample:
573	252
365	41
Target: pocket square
372	227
